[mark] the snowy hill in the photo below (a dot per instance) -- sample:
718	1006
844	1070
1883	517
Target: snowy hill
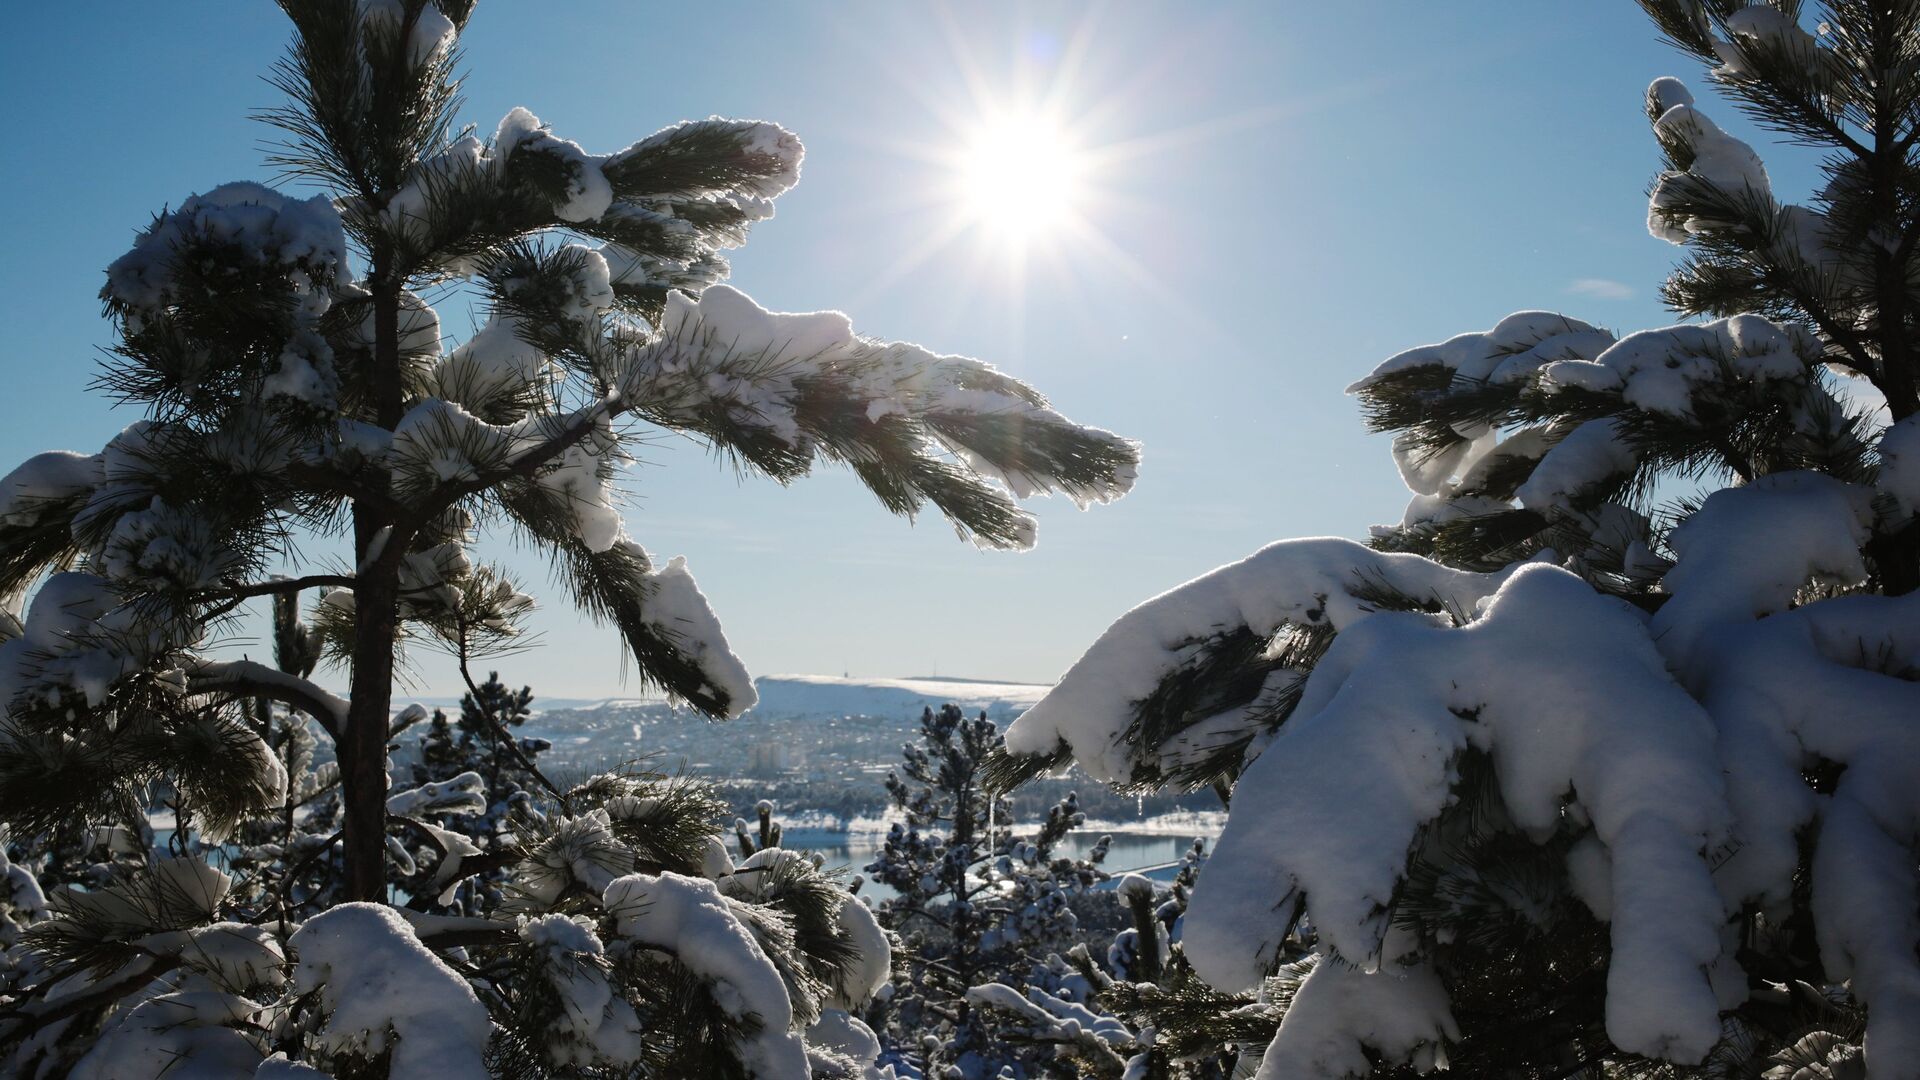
827	695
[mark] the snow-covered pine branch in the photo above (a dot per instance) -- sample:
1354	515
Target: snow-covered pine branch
1592	754
300	396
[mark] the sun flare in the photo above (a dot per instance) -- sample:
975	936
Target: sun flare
1021	176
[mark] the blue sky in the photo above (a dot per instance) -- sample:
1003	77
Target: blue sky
1284	194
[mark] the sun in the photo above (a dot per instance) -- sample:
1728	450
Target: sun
1021	176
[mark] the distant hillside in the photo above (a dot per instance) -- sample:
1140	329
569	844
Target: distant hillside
827	695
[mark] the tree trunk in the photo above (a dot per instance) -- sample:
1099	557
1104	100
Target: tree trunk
363	749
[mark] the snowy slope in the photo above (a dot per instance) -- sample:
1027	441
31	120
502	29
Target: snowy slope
827	695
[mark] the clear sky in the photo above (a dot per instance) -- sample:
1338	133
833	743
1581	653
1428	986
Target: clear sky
1274	196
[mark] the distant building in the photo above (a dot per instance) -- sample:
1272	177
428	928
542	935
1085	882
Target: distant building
770	758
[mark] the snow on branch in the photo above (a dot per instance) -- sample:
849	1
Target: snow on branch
1664	370
1318	582
257	679
249	224
1339	1013
1567	692
776	386
691	920
382	991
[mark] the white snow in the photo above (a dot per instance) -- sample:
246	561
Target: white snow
1338	1013
847	1036
305	373
183	1034
690	919
44	481
382	989
432	32
1899	476
1517	346
674	605
588	195
1310	582
874	964
1589	457
264	225
496	363
1395	699
1051	1018
1747	550
1662	370
597	1025
79	636
462	794
725	352
1770	675
1710	155
160	547
235	956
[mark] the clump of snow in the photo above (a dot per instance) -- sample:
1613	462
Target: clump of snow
183	1033
260	224
1590	457
1050	1018
587	194
723	352
1899	476
689	918
674	606
1339	1013
1664	93
1704	155
382	990
45	481
590	282
578	476
432	34
439	442
873	964
305	374
1515	348
462	794
1661	371
1309	582
495	364
1811	528
1772	33
21	899
174	892
234	956
164	547
1770	673
79	637
1398	698
597	1025
847	1036
578	850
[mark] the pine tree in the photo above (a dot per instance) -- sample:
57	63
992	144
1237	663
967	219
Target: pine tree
297	397
1600	761
974	904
